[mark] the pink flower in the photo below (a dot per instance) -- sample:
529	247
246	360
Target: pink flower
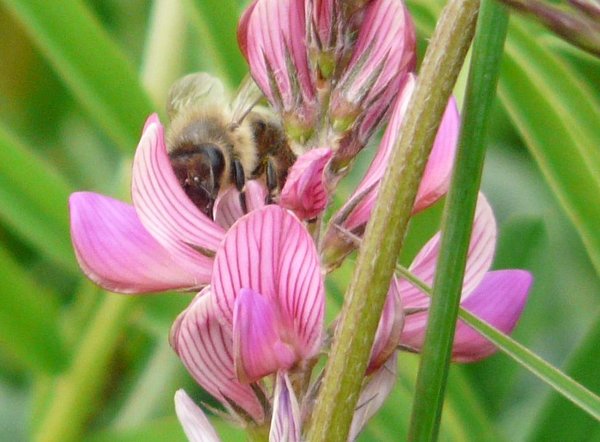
262	314
353	216
497	297
382	56
271	35
305	191
162	241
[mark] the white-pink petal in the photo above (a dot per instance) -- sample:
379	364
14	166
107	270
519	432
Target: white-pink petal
499	300
436	178
368	187
116	252
479	259
286	421
305	191
384	52
162	205
195	424
270	252
389	329
259	348
228	209
272	37
206	349
374	394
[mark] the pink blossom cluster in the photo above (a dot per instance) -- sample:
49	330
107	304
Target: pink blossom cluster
334	71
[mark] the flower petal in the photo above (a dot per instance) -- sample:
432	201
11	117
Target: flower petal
369	184
499	300
305	190
270	252
374	394
389	329
116	251
206	349
227	208
383	54
162	205
285	425
271	34
436	178
258	347
479	260
195	424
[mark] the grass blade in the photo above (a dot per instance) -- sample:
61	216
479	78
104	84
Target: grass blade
457	223
89	62
557	116
33	200
29	320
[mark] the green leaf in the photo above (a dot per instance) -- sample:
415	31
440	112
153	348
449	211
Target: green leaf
29	320
559	419
457	222
33	200
557	115
216	23
89	62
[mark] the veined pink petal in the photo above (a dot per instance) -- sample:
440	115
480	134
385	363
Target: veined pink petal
389	330
374	394
362	212
117	252
499	300
195	424
305	190
227	208
322	13
436	178
479	260
258	345
270	252
206	349
272	36
162	205
286	422
383	54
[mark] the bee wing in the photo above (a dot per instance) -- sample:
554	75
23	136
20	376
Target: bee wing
195	88
247	96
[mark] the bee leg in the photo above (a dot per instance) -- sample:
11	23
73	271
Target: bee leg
272	182
239	178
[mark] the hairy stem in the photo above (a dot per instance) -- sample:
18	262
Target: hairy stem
386	229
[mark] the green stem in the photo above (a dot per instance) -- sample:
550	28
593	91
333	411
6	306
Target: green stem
385	232
457	224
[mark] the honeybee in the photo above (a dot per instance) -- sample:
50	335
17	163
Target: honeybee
214	144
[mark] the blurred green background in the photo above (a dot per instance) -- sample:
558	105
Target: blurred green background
77	80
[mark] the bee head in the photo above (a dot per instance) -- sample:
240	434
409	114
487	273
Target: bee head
199	168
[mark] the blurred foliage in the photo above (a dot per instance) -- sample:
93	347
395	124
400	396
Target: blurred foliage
72	104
